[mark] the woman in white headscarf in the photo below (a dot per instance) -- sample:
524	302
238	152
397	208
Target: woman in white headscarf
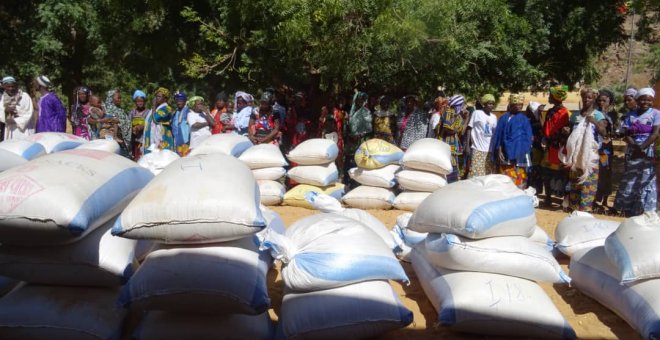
637	191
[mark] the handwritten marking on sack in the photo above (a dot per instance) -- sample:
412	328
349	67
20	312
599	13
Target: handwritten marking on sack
504	293
71	164
16	189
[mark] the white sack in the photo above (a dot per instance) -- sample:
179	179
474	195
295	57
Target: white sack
221	203
314	151
542	238
638	303
57	141
415	180
263	156
269	174
23	147
633	247
108	145
383	177
581	230
479	207
157	160
10	160
59	198
158	325
490	304
364	197
410	200
429	154
230	144
318	175
358	311
271	192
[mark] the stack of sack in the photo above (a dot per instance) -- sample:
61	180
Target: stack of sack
405	238
425	165
624	274
377	161
206	271
315	171
57	141
335	271
55	224
481	257
14	152
267	159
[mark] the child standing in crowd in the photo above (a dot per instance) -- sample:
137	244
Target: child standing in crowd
138	115
384	122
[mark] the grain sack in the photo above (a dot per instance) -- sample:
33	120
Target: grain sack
479	207
377	153
57	141
328	250
429	154
98	260
10	160
230	144
638	303
157	160
192	201
228	277
410	200
314	151
415	180
39	205
158	325
23	147
489	304
542	238
382	178
295	197
263	156
109	145
364	197
581	230
52	312
271	192
269	174
508	255
327	204
317	175
633	248
405	238
358	311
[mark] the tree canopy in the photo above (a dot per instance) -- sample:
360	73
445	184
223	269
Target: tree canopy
329	46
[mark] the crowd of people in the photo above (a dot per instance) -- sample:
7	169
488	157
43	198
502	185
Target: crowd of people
563	154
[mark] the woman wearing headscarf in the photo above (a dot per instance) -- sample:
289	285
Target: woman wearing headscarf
180	128
555	131
219	108
118	115
80	113
450	131
533	113
637	191
480	129
359	125
587	130
413	124
200	121
512	144
243	112
605	104
384	122
138	115
264	123
158	132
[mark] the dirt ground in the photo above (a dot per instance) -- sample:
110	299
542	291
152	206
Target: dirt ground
589	319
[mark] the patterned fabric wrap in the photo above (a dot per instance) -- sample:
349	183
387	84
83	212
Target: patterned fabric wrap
581	196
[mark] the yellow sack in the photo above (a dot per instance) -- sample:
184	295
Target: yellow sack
377	153
296	196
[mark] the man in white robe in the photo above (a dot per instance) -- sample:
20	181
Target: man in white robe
16	111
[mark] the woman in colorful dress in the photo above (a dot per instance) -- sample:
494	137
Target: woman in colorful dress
450	131
113	111
555	131
584	182
80	113
138	114
219	108
637	191
158	132
481	129
384	121
512	144
605	104
264	123
413	124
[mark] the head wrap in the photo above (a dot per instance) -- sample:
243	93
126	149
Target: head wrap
165	92
84	89
110	94
384	100
440	101
516	98
180	95
192	100
221	95
243	95
607	93
456	102
43	81
137	94
487	98
534	106
8	80
266	97
632	92
559	92
647	91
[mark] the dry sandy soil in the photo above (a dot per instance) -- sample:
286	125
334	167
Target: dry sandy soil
589	319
